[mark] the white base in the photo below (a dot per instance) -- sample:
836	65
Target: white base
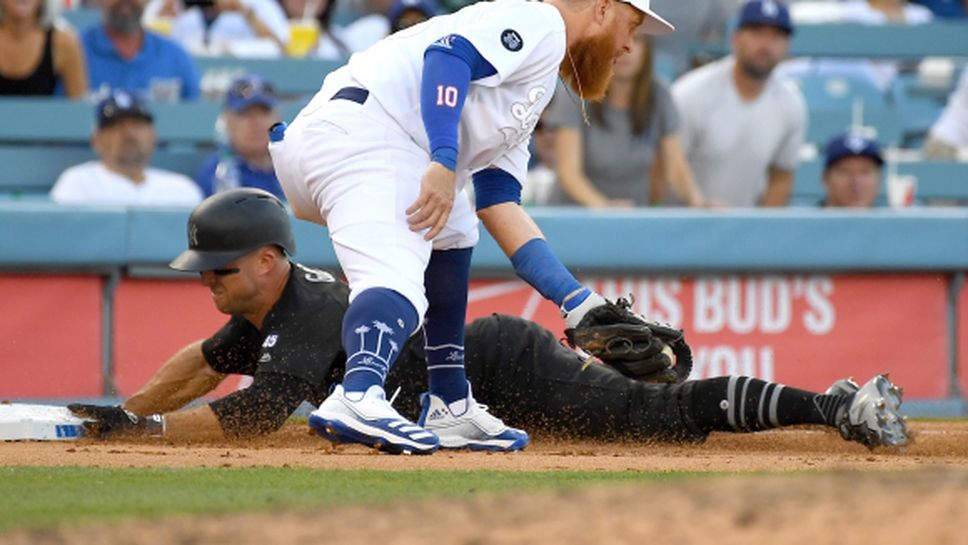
21	421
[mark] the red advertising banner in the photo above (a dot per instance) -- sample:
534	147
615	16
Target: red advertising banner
802	330
50	336
153	319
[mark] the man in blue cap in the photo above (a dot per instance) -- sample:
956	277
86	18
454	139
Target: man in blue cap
250	109
124	140
741	127
852	171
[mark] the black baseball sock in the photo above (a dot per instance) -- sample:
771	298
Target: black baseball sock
745	404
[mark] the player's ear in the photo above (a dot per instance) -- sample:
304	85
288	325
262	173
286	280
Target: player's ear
601	10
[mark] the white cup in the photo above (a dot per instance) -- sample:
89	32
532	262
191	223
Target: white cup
901	190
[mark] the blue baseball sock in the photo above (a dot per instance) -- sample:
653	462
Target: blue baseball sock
376	326
445	281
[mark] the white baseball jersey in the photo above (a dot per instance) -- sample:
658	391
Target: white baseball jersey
525	43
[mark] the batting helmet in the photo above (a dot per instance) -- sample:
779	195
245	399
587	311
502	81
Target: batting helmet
232	223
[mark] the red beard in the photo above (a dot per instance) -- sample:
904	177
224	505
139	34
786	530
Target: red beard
591	72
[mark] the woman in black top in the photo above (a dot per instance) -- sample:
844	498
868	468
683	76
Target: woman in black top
36	54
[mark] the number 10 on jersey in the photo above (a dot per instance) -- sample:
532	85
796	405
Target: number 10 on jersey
447	96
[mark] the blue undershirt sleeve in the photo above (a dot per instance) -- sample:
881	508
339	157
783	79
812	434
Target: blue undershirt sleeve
495	186
450	64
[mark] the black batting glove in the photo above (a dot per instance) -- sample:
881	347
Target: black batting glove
104	422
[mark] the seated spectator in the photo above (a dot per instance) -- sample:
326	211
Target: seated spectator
852	171
879	73
38	58
742	128
406	13
612	162
250	109
121	54
328	42
124	141
241	28
950	131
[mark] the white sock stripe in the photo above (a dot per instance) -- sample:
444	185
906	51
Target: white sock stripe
364	368
774	401
742	403
445	366
759	411
731	402
445	347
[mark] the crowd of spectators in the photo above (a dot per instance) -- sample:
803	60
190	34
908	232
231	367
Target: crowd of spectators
677	127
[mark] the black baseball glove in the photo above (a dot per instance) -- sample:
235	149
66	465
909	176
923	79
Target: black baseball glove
103	422
636	347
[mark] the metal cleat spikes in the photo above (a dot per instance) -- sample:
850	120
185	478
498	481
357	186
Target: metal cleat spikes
873	417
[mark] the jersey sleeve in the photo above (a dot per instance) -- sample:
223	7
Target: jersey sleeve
515	162
234	348
518	43
308	348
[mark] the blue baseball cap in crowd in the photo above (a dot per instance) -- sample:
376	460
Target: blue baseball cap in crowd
851	144
766	12
250	90
427	7
120	104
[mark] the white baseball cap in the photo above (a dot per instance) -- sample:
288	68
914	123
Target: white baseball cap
653	23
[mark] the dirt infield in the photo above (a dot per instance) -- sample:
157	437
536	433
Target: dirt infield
918	494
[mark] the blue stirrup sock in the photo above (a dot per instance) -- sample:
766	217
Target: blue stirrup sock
376	326
445	282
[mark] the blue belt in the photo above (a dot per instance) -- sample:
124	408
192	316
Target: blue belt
356	94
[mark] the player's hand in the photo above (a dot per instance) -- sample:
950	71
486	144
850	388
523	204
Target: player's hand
103	422
433	206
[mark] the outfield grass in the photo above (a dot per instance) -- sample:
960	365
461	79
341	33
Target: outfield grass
33	497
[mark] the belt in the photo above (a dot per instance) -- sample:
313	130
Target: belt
356	94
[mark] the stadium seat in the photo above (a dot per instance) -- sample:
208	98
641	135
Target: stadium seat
918	110
834	100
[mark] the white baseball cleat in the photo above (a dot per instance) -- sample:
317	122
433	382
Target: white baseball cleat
368	418
472	427
873	415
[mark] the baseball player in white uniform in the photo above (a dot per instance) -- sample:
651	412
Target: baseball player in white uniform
378	156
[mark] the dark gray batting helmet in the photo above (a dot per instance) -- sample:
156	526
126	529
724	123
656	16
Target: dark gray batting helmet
232	223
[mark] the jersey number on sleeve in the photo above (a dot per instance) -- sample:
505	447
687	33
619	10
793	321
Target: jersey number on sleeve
447	96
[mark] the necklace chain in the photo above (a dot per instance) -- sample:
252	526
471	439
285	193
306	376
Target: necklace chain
581	95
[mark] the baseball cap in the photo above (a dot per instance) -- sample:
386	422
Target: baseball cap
120	104
250	90
766	12
851	144
653	23
399	7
